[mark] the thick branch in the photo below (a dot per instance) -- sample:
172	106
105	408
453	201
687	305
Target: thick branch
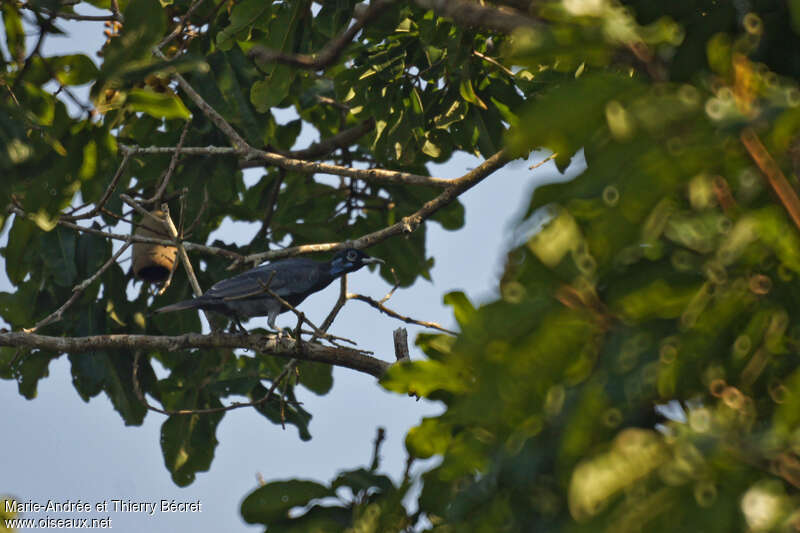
270	344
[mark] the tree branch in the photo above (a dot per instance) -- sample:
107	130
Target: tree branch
773	172
77	291
263	157
341	140
394	314
231	406
181	23
330	52
103	199
236	140
407	224
190	246
268	344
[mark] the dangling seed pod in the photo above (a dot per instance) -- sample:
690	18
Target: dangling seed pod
152	262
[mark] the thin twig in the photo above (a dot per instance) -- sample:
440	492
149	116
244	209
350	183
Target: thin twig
235	405
394	314
190	246
181	23
200	213
106	194
773	172
162	187
36	49
301	317
380	436
271	206
330	52
173	232
543	161
77	291
324	147
340	301
494	62
236	140
407	224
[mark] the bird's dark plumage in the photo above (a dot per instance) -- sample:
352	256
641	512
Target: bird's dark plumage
246	295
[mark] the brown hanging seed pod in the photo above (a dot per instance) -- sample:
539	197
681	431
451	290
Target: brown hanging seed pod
152	262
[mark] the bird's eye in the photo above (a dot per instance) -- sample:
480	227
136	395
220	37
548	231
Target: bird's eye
351	256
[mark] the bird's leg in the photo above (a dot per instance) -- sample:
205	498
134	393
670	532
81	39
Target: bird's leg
271	321
237	327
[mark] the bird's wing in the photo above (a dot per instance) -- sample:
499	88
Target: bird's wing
278	277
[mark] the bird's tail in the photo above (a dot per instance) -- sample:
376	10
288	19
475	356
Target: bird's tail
179	306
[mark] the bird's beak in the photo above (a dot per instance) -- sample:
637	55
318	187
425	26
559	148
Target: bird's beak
367	260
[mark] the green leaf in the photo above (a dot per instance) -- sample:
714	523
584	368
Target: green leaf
289	413
270	92
188	443
245	15
564	119
15	33
58	252
273	501
424	377
34	367
316	377
286	135
362	480
462	307
19	242
431	149
156	104
144	26
429	438
74	69
468	93
455	113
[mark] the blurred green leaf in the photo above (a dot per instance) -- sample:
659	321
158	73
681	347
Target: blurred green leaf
273	501
423	378
59	256
188	443
74	69
159	105
14	32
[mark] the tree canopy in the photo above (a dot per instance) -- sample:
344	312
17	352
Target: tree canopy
663	279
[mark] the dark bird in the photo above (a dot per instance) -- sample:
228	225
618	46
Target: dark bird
247	294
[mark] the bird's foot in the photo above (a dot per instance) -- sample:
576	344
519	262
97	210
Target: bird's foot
237	328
